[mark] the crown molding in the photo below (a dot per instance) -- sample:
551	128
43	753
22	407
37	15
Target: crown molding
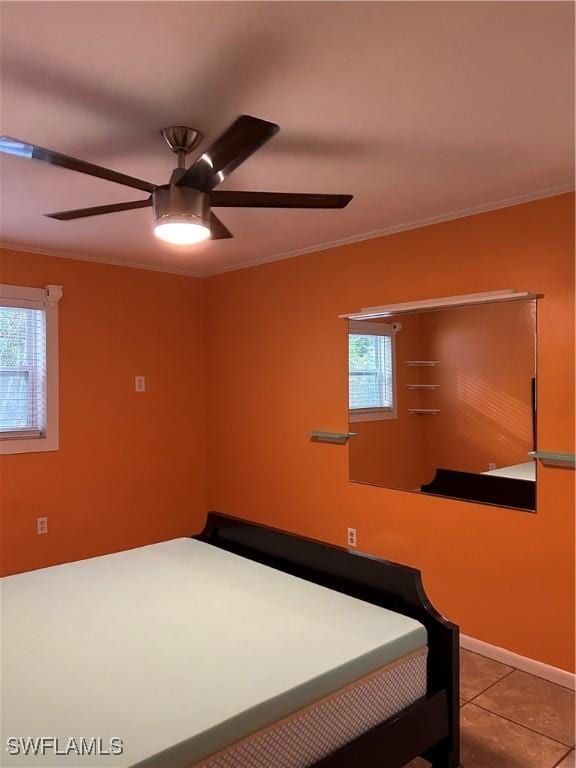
373	234
96	259
418	224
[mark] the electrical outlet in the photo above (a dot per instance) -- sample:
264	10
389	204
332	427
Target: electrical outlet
491	466
41	525
351	537
140	383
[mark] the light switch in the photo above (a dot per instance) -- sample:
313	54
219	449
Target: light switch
140	383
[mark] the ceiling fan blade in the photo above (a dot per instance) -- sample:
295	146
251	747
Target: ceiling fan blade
232	199
217	230
10	146
237	144
98	210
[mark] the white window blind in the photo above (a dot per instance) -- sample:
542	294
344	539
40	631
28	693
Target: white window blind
22	371
370	371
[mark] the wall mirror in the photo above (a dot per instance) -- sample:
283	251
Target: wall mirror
442	401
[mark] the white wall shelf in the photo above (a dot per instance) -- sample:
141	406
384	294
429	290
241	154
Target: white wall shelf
425	305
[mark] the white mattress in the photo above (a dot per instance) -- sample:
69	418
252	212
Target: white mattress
179	649
526	471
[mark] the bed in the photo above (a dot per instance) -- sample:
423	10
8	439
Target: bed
524	471
241	647
512	486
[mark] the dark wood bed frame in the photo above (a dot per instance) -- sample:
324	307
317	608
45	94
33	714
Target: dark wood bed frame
428	728
512	492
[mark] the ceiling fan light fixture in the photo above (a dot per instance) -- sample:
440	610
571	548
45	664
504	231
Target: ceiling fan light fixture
181	230
181	215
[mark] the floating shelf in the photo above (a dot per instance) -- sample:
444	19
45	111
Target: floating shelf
423	411
340	438
422	386
555	459
422	363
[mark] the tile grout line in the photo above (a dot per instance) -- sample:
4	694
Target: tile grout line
533	674
527	727
562	758
497	714
483	691
513	722
518	669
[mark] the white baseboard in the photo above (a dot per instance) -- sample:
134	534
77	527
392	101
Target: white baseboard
537	668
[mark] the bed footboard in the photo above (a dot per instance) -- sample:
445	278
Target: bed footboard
430	727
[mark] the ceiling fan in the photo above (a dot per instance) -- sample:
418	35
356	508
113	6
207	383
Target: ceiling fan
182	208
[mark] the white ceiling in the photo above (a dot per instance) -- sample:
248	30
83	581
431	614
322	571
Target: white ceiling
419	109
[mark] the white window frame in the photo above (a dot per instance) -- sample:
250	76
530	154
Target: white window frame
375	414
46	299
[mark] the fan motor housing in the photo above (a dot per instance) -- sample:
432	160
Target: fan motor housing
170	202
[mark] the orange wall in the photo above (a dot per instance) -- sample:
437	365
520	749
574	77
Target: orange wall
277	367
131	467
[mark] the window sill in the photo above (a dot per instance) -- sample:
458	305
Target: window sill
28	445
373	414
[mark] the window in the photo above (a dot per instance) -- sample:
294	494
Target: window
22	371
28	369
371	371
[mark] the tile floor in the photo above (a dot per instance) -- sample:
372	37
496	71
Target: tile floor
510	719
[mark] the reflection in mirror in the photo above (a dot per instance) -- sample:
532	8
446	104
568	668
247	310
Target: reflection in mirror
443	402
